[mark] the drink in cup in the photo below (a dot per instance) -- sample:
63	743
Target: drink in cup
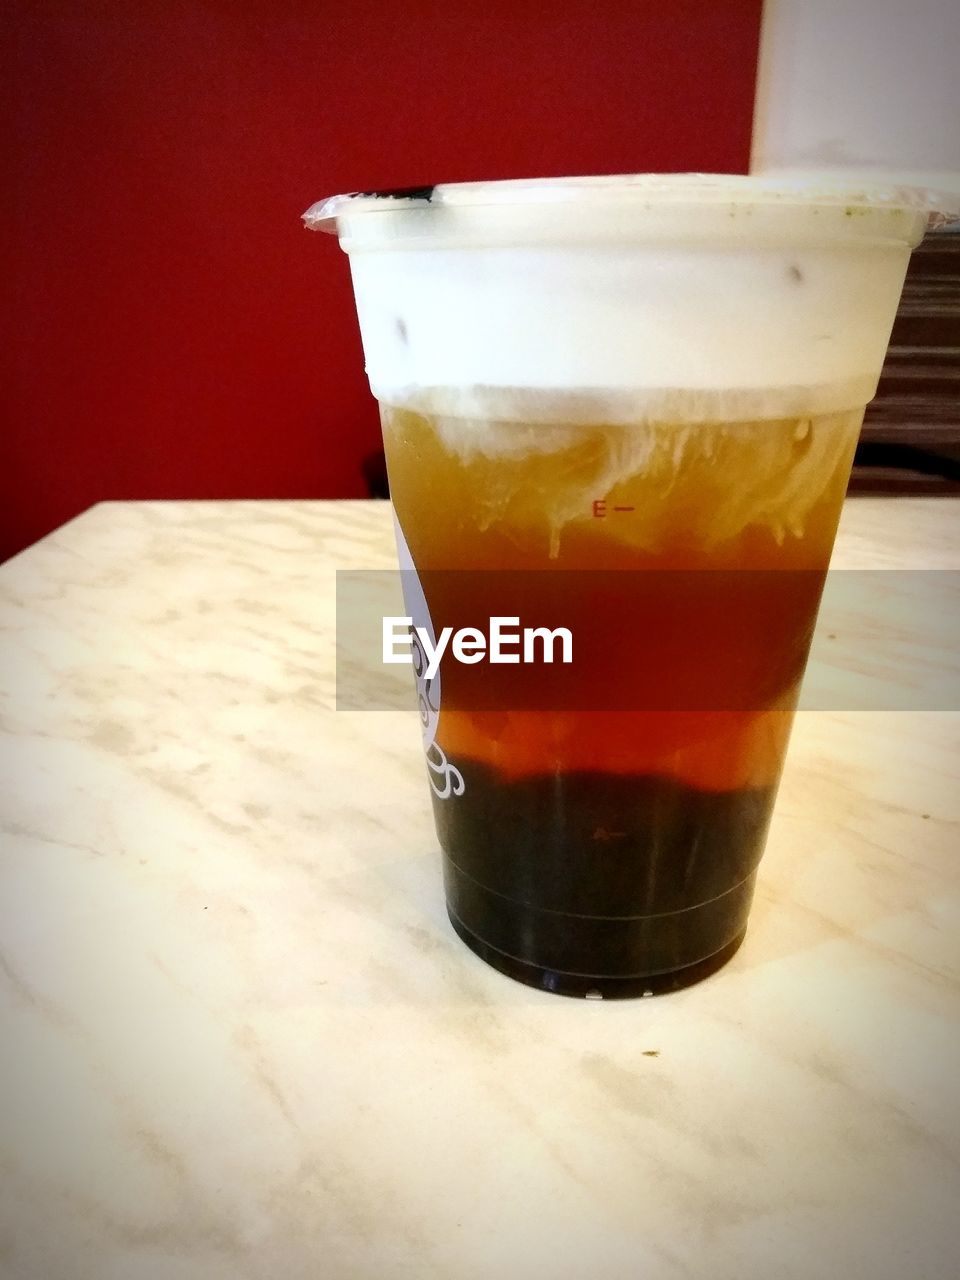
640	396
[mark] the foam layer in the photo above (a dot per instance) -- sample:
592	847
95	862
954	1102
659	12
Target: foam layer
690	332
528	409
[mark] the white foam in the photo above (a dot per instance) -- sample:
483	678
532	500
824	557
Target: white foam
663	328
531	409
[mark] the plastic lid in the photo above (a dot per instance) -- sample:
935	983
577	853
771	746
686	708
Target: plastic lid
684	189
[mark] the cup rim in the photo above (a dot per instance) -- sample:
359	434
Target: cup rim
686	190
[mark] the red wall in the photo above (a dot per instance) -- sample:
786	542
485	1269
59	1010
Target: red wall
172	332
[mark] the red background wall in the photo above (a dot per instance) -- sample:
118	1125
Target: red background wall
170	331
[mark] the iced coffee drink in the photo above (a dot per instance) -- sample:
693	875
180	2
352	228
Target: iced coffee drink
642	396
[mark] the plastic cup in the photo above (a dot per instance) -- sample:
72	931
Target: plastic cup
642	395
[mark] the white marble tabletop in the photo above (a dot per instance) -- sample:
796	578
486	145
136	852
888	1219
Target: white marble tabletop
239	1039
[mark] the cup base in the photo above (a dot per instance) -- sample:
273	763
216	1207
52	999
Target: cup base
594	957
585	987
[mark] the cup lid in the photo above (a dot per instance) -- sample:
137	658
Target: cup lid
941	204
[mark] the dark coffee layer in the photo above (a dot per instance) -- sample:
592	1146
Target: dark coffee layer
601	843
567	879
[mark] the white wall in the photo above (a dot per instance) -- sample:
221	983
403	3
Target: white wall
861	84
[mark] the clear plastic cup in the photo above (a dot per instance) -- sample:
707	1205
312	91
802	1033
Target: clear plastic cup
643	395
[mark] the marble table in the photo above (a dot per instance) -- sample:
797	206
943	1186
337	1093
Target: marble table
239	1039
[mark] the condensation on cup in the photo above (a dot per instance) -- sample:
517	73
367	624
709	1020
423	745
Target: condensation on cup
643	373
